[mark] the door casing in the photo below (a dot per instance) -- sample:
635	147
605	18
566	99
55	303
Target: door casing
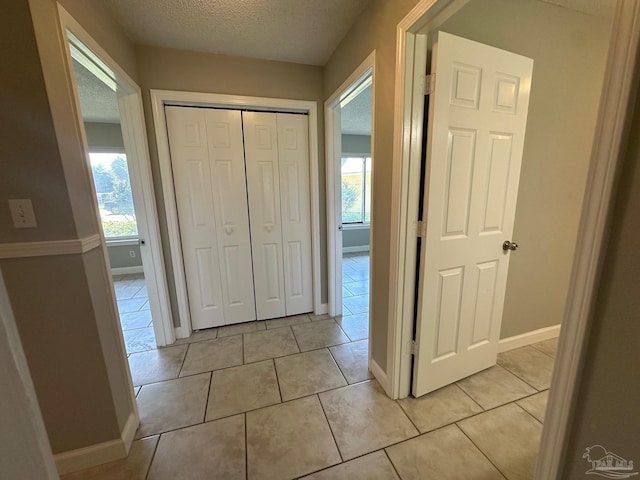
160	98
135	143
333	149
620	81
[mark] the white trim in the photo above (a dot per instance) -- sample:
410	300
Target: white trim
100	453
619	84
333	152
529	338
356	226
355	249
127	270
160	98
608	140
322	310
135	144
377	372
76	246
127	242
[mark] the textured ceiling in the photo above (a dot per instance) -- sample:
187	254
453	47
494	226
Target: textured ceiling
355	116
598	8
97	101
299	31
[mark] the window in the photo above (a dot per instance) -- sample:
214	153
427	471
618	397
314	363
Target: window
113	189
356	189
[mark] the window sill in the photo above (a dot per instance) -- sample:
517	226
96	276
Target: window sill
356	226
125	242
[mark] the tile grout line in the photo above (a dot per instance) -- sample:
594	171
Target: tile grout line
527	411
206	403
293	332
330	429
275	369
393	465
153	455
520	378
397	402
338	365
468	395
246	447
504	475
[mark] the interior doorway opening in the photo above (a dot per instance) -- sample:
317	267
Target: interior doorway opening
112	124
349	115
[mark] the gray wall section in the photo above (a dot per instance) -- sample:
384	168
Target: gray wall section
107	137
606	410
120	256
357	237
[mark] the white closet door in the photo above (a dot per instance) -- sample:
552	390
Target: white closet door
293	151
213	219
226	154
261	147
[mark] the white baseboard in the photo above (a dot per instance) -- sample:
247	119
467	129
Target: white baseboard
127	270
380	375
358	248
535	336
104	452
323	309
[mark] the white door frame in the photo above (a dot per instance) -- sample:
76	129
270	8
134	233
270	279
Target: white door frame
333	149
160	98
608	140
135	143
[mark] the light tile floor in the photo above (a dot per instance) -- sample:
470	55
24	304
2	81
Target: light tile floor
293	398
135	313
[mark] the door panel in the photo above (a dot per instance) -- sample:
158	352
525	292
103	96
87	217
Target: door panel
208	169
293	149
192	180
261	146
226	154
477	123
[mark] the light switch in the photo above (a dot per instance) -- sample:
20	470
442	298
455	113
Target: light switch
22	213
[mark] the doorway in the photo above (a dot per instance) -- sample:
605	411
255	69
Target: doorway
112	124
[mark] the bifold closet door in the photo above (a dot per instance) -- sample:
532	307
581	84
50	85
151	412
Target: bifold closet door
277	156
295	202
263	173
207	159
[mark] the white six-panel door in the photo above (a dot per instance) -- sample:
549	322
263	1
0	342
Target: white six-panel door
263	174
293	149
476	132
209	177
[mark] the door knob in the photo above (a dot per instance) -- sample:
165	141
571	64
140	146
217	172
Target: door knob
508	245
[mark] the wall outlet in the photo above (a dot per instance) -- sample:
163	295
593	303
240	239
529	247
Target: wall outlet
132	253
22	213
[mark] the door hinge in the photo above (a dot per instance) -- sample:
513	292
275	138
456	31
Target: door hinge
413	348
429	83
421	229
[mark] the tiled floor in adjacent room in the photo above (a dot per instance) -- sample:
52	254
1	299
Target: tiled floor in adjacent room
292	398
135	315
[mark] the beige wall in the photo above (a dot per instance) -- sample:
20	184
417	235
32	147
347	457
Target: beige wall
68	325
566	84
168	69
607	410
569	53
